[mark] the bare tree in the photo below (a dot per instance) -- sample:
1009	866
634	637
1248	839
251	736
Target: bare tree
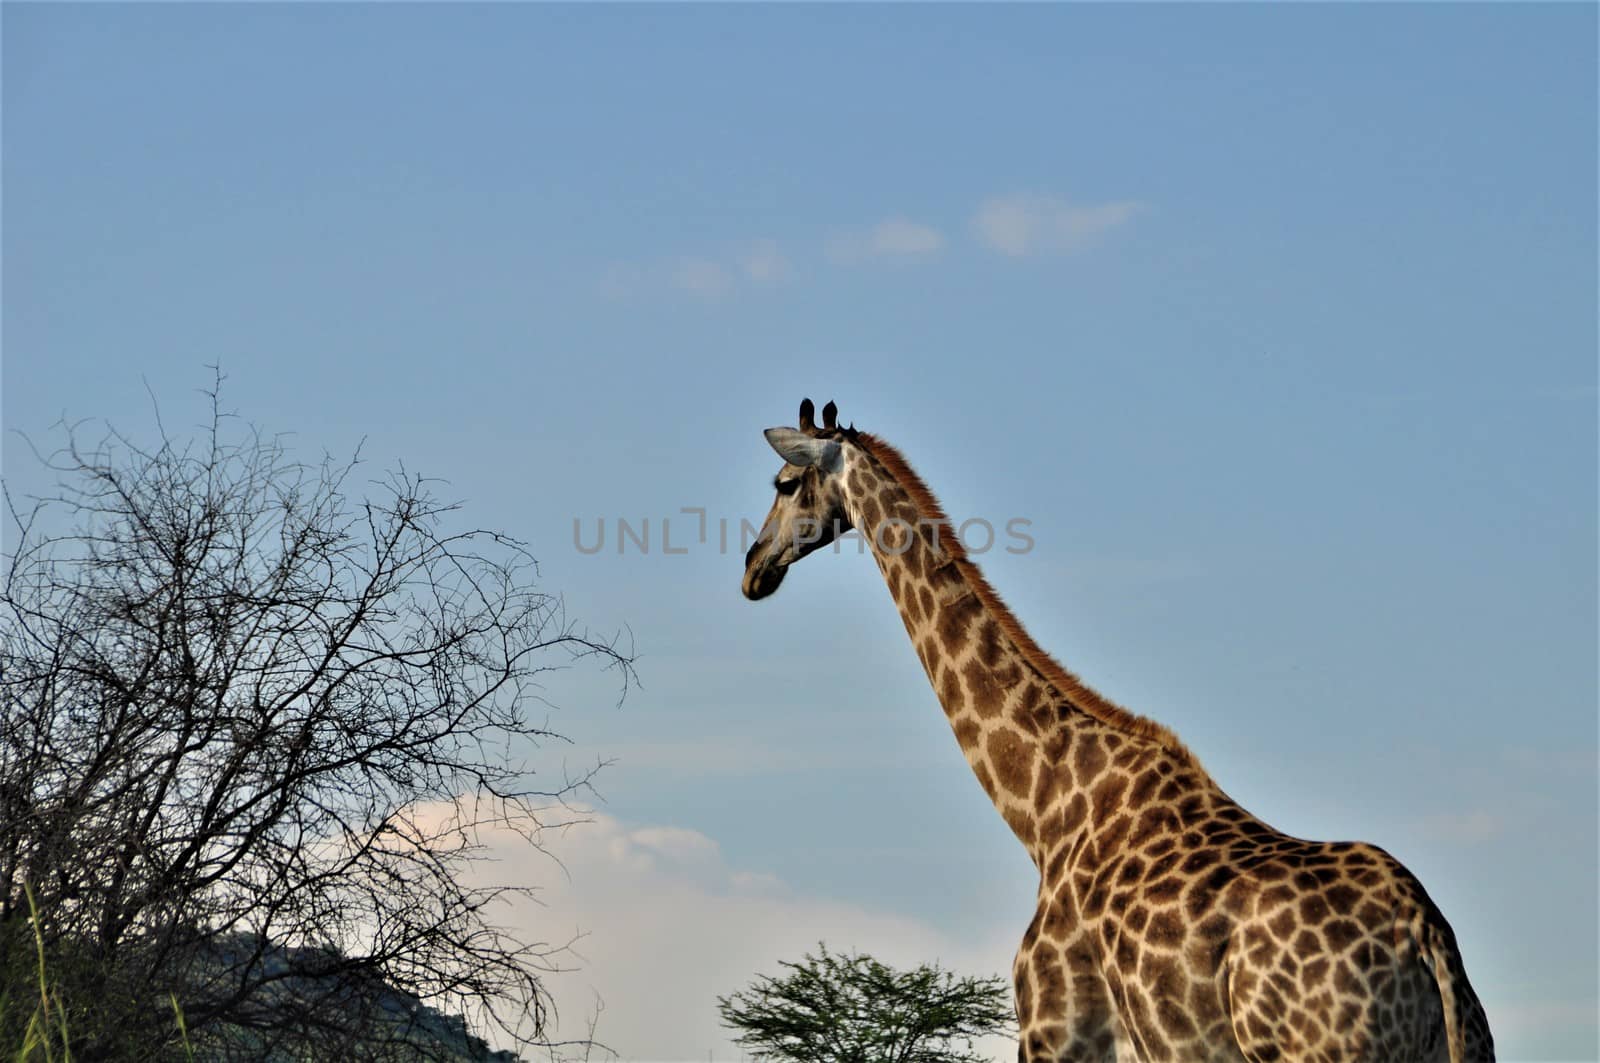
249	726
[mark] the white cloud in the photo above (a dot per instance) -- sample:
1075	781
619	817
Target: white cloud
1471	827
718	757
893	238
700	276
1570	763
1530	1018
763	263
668	926
1028	225
711	277
623	279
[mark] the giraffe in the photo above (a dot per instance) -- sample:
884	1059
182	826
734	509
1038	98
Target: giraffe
1171	924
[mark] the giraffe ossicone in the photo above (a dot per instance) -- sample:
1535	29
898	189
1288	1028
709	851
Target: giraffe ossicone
1171	924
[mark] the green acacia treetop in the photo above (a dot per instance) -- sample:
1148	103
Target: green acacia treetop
832	1008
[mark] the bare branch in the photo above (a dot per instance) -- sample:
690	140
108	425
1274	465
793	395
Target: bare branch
250	730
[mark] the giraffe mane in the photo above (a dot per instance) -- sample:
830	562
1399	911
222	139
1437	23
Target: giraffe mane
1078	694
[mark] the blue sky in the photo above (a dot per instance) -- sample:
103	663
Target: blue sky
1278	324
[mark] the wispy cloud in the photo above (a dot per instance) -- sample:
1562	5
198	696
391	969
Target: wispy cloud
1016	225
1021	225
763	263
701	276
1533	1017
891	239
708	277
719	757
1569	763
1469	827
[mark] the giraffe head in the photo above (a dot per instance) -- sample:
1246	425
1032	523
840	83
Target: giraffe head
809	510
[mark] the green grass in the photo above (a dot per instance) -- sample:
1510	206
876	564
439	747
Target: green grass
183	1028
47	1037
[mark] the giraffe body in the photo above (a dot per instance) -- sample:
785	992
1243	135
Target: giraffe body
1171	924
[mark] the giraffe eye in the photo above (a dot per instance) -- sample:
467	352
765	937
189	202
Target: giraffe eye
786	487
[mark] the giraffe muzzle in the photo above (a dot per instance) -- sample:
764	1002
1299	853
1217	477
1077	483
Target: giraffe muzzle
763	572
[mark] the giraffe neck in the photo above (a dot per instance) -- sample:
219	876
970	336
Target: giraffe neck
1039	741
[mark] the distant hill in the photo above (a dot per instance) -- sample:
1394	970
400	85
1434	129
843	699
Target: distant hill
397	1025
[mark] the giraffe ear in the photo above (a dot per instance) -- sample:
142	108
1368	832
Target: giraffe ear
797	448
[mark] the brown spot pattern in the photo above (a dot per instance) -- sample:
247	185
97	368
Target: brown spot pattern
1171	922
